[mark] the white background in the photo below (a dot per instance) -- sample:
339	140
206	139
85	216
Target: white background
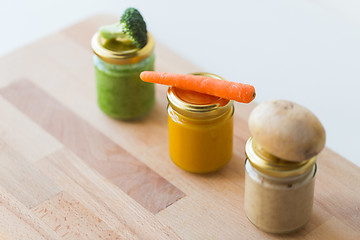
305	51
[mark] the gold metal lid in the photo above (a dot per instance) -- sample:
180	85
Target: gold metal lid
116	51
188	104
274	166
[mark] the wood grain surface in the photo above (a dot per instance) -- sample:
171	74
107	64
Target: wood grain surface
100	152
67	171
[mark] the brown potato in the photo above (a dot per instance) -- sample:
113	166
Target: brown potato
287	130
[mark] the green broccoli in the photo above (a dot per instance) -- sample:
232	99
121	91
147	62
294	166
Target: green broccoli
131	26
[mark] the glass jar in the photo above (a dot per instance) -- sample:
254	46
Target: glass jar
120	92
200	129
278	194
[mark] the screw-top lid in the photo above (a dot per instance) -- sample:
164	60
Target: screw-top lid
198	105
119	51
272	165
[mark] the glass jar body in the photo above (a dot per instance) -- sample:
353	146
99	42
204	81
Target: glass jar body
200	145
278	205
120	92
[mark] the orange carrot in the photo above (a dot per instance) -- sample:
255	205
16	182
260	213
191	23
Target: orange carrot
221	88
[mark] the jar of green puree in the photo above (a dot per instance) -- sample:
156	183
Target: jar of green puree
121	52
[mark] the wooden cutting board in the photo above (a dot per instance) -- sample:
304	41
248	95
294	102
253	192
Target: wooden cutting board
67	171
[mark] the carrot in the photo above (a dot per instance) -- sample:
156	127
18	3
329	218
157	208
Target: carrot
220	88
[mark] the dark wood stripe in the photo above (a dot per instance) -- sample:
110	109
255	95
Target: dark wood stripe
101	153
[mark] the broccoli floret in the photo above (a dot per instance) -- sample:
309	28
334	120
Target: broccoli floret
131	26
134	27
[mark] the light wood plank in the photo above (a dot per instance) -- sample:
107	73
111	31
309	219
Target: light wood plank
65	215
119	211
16	227
334	229
18	222
24	181
339	198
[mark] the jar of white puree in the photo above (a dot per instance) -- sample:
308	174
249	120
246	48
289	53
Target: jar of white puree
278	194
280	167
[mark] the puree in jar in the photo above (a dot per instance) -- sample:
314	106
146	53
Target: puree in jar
118	63
278	205
120	92
281	165
200	130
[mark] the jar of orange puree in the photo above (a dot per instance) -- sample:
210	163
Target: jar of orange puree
200	129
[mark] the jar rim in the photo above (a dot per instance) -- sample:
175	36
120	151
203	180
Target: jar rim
122	57
197	110
274	166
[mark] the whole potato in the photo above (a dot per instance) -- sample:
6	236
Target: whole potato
287	130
